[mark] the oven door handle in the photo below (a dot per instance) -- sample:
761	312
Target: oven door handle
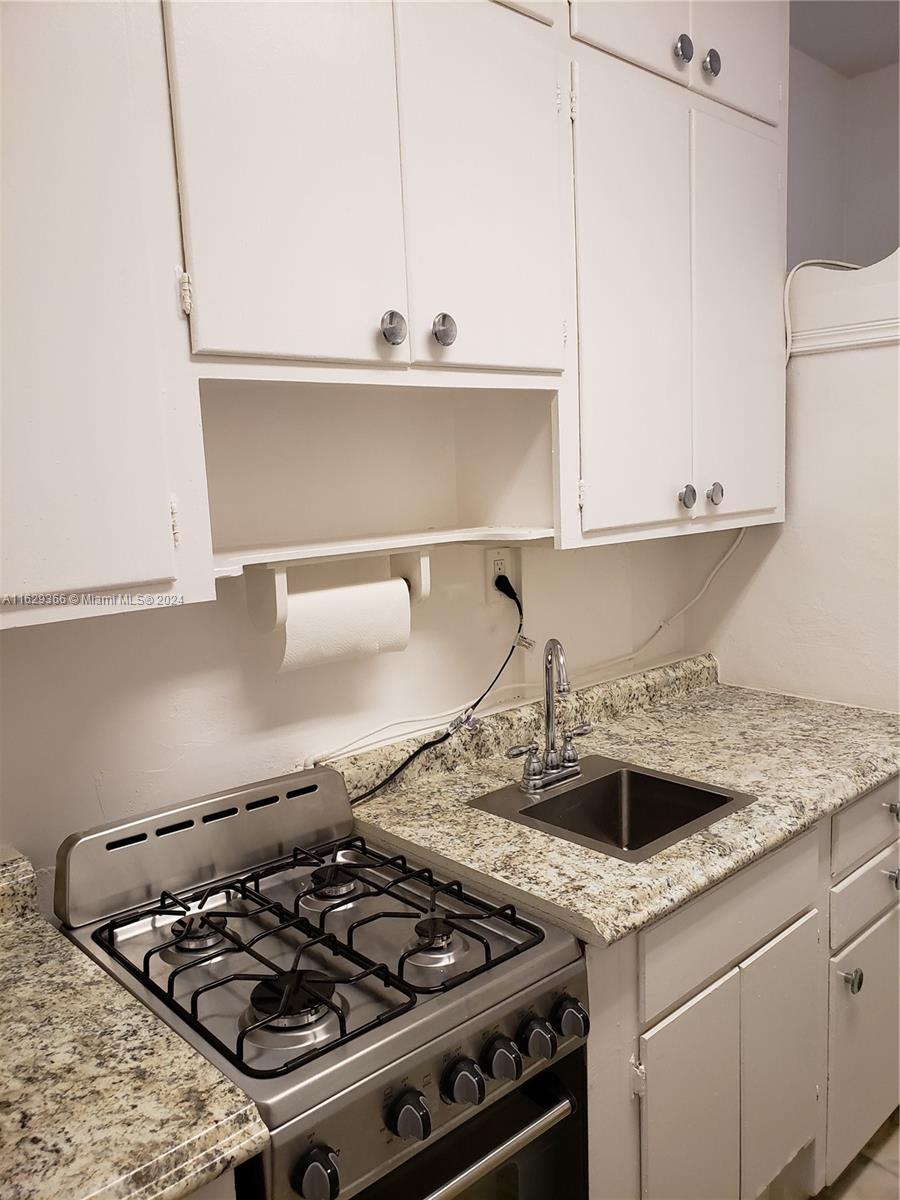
506	1150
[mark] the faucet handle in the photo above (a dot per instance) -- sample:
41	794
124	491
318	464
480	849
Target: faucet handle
533	768
569	753
578	731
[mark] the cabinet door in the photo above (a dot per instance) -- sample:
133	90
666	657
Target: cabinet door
289	175
480	135
690	1111
632	188
85	485
863	1045
779	1035
643	31
751	39
738	279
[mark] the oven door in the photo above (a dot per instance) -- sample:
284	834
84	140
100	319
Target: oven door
531	1145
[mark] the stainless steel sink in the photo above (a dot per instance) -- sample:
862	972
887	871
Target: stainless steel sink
626	811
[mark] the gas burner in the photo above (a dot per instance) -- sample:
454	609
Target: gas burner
308	995
437	944
434	933
332	882
197	932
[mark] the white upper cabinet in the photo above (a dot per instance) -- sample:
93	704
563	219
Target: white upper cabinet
480	120
652	33
632	170
735	51
741	54
738	273
85	482
289	174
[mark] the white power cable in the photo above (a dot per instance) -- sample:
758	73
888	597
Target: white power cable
421	724
836	264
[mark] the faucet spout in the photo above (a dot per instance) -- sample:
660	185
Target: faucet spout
556	681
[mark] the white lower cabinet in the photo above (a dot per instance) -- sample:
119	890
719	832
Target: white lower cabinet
729	1078
779	1053
863	1048
690	1110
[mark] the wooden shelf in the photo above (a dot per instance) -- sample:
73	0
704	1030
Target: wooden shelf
232	561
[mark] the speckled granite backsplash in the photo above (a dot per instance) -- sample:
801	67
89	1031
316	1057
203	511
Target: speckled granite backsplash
802	759
600	702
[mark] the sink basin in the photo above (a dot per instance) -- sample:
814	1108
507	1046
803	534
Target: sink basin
622	810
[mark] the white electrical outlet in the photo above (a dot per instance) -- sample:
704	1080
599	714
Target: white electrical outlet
500	560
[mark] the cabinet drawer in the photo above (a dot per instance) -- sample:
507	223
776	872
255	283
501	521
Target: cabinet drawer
865	826
862	1042
863	895
684	950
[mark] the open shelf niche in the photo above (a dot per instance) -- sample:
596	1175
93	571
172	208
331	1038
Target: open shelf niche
299	472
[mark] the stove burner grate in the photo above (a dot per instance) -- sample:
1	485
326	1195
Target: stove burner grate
292	999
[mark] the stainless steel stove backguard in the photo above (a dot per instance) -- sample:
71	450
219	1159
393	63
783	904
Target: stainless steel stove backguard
119	866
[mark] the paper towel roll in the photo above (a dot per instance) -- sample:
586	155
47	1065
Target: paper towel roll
342	623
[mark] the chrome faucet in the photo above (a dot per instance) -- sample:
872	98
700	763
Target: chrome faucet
555	765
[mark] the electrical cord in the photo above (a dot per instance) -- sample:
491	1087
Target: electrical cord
503	585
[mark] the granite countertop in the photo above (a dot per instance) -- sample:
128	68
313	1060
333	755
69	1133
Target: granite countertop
802	759
99	1098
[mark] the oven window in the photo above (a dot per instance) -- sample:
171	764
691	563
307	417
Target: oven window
503	1186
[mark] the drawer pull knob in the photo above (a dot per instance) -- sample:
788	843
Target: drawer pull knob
854	980
894	877
893	807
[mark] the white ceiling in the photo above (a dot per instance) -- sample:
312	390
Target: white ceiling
851	36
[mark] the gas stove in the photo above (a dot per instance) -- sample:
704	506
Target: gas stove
368	1007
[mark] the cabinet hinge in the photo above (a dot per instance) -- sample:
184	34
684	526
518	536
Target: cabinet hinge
581	494
638	1079
558	98
573	105
173	518
185	293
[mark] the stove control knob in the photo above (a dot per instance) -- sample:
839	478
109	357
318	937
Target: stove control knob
317	1177
408	1117
503	1060
570	1019
463	1082
537	1039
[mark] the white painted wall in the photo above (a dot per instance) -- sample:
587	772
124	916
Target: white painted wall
872	138
842	163
126	713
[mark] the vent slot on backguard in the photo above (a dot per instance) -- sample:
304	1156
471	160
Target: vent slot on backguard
178	827
263	803
302	791
126	841
220	815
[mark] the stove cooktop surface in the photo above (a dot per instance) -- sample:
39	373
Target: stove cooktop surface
278	966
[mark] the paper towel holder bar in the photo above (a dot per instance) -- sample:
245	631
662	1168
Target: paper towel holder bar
266	587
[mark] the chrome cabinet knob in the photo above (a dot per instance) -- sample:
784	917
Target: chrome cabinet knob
683	48
712	64
894	808
393	327
443	328
715	494
894	877
688	495
854	980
